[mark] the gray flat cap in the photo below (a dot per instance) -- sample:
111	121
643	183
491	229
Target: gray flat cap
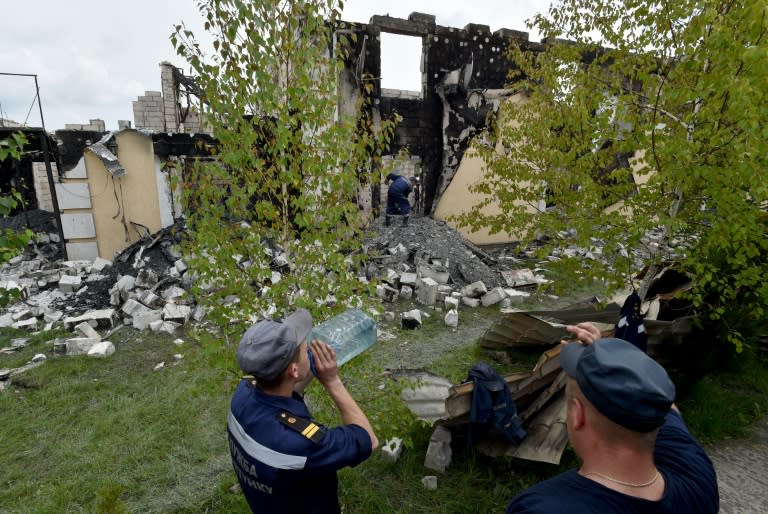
268	346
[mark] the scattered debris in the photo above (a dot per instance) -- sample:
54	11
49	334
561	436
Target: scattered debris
391	450
429	482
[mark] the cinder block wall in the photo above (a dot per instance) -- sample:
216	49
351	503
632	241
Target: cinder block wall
42	190
149	112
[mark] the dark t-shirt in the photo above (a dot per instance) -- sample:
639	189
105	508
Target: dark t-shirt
281	470
690	483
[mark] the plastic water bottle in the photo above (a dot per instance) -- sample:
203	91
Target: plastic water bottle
349	334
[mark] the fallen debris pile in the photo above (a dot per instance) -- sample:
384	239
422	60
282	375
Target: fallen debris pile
538	394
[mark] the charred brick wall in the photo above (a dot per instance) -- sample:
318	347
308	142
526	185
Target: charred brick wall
463	73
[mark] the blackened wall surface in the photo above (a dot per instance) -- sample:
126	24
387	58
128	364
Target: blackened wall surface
456	64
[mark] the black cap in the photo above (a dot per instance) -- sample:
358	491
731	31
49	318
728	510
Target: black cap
268	346
622	382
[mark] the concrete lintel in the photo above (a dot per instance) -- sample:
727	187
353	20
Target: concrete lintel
401	26
512	34
477	28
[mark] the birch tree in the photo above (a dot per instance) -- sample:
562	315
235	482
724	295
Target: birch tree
274	218
675	91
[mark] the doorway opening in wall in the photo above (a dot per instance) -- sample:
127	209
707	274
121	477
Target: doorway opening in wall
401	63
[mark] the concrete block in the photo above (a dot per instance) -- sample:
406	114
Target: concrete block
125	283
79	345
199	313
452	318
439	451
429	482
100	264
437	273
180	266
85	250
391	277
408	279
78	226
88	331
73	195
411	319
451	303
131	306
406	292
6	320
177	313
493	297
175	294
426	292
142	318
387	293
70	283
474	290
151	300
392	449
26	324
470	302
104	318
52	316
101	349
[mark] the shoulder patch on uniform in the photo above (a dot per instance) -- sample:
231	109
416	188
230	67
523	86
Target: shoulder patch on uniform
304	426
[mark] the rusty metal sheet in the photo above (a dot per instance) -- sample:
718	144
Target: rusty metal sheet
543	328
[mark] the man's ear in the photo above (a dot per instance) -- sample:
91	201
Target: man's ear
577	414
293	370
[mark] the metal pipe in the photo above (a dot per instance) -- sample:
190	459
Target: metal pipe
49	172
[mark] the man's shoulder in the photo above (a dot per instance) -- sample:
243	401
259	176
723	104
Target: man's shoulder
561	493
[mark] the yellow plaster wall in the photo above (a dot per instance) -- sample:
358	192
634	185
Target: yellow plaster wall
457	199
131	198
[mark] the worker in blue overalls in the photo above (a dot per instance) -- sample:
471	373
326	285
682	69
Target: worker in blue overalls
284	460
397	197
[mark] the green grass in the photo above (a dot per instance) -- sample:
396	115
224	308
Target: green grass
724	404
114	435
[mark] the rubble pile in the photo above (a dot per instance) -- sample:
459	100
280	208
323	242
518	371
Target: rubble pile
144	286
431	264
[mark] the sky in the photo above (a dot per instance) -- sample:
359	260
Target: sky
92	59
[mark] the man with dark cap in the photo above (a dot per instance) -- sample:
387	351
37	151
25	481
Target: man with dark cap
637	454
284	460
397	197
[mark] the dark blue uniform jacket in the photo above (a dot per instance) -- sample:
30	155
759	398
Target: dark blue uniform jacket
284	470
397	195
689	477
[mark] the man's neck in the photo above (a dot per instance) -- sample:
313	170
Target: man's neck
625	471
284	389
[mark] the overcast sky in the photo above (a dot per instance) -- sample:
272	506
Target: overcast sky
92	59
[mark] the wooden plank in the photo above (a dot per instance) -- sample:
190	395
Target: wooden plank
544	397
459	401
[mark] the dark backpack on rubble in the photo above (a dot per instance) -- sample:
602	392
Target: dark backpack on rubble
493	412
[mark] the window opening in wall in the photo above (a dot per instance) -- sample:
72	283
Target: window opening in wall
401	62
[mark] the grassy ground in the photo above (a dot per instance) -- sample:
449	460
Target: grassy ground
115	435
